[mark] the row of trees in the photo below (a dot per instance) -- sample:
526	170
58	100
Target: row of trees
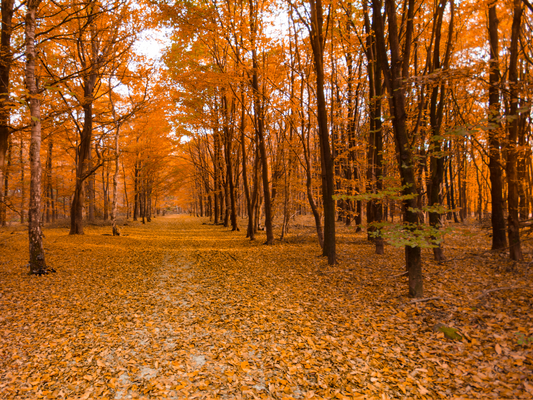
357	109
75	94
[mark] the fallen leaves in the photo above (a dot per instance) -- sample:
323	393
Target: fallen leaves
178	309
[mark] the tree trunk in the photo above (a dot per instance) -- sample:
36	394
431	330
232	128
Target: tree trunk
136	200
228	133
48	183
436	109
6	59
91	188
249	207
394	84
499	241
22	183
83	150
3	205
114	205
259	127
328	189
375	139
37	259
513	223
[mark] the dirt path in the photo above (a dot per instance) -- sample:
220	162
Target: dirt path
178	309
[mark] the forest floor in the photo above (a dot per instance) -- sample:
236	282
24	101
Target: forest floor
181	309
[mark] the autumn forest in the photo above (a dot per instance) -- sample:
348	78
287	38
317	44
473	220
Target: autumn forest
282	199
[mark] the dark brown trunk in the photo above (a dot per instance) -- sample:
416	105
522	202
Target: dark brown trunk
394	84
328	190
228	153
6	59
22	183
499	240
375	140
48	183
105	190
259	127
436	108
136	191
78	199
513	223
90	187
3	205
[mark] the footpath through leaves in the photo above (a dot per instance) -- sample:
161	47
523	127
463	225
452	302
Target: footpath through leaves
178	309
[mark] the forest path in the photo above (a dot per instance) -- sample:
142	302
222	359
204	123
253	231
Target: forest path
182	309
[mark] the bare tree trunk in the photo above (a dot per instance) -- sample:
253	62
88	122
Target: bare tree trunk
48	181
435	117
22	183
259	127
394	83
105	189
499	241
126	192
328	189
83	150
513	223
114	205
37	260
90	188
249	206
3	205
136	191
6	59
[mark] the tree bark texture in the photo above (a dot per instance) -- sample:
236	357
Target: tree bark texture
513	223
328	189
394	84
6	59
37	259
499	240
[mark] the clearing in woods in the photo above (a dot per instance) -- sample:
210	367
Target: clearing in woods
181	309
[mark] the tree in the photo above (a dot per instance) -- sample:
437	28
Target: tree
6	59
513	223
328	190
499	240
37	259
395	86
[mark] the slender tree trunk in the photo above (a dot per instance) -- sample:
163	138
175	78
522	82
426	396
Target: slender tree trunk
6	59
394	83
259	127
37	259
114	205
48	182
149	200
375	140
136	191
328	189
452	184
90	188
22	183
435	116
499	241
3	205
513	223
229	166
250	229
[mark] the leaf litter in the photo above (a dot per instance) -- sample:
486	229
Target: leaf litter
182	309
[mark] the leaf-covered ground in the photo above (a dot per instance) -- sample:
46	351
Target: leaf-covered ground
182	309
